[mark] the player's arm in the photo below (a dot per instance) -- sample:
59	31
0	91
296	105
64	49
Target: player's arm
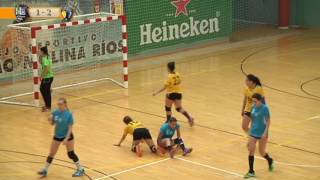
68	134
122	138
51	120
166	84
160	90
267	127
243	104
268	121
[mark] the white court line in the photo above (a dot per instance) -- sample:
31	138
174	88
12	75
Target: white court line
290	164
131	169
211	167
314	117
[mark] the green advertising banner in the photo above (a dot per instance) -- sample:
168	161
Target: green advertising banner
161	23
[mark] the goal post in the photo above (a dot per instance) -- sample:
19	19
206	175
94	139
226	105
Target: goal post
87	61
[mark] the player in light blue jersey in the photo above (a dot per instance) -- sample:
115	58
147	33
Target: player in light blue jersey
62	118
165	140
259	133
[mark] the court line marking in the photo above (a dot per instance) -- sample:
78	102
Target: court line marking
238	175
294	124
303	84
134	168
291	164
245	60
314	117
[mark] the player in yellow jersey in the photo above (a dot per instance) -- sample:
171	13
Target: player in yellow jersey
253	86
174	93
139	133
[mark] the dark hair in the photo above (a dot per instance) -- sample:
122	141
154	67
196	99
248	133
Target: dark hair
127	119
172	119
257	96
171	66
254	79
44	49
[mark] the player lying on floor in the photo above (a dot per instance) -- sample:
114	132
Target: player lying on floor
165	141
139	133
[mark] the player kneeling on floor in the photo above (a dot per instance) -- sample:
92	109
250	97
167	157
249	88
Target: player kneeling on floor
139	134
165	141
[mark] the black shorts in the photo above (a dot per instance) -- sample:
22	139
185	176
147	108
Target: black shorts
141	133
61	139
255	137
247	113
174	96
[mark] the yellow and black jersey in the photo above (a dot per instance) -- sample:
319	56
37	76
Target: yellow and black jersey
248	94
132	126
173	83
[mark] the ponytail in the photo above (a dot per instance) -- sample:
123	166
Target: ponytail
258	82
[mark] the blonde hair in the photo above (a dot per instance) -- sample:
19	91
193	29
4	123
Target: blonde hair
64	101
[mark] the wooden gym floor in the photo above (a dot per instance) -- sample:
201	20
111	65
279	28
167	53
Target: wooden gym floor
213	82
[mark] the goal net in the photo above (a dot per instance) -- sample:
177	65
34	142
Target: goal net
90	48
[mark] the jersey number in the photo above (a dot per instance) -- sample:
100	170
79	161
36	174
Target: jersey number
176	80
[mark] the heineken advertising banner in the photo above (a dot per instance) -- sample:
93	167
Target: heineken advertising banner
161	23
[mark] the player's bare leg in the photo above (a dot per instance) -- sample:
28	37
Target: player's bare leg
262	149
72	155
151	145
179	108
136	148
53	150
168	106
245	123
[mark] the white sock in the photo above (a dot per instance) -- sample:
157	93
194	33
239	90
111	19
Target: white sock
46	167
79	167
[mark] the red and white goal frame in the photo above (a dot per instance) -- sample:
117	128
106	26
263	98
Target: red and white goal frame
36	64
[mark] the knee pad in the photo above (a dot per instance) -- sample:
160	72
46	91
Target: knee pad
49	159
133	148
168	108
178	141
153	149
178	109
73	156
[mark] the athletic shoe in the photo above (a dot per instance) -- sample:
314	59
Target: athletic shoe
45	109
78	173
43	173
187	151
271	166
249	175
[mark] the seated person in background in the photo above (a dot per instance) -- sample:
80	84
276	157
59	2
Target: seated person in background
165	140
139	134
